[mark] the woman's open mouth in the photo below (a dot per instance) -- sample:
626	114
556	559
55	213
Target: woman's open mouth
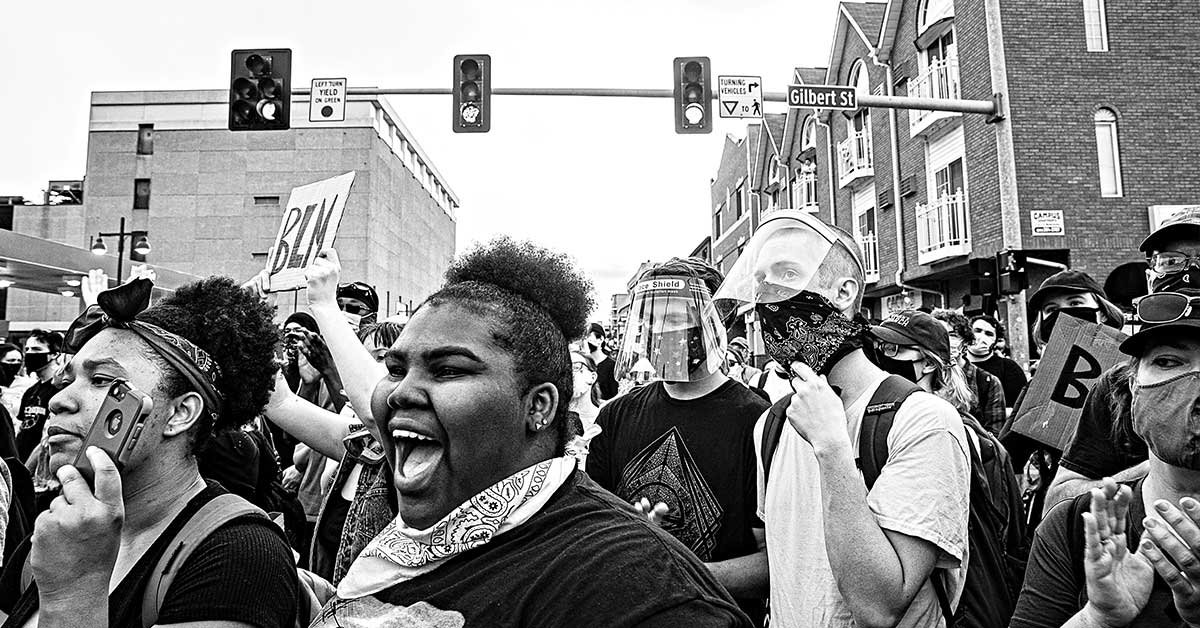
417	456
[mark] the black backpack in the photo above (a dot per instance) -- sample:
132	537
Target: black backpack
996	535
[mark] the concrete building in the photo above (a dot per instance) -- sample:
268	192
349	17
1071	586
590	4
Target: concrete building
210	200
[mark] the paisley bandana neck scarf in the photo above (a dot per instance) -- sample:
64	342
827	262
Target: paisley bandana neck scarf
118	308
808	328
400	553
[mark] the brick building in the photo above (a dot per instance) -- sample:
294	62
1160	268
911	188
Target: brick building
210	200
1096	112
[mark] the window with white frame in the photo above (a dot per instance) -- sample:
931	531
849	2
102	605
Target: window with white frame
949	180
717	220
739	205
1095	25
808	133
774	183
1108	152
804	186
933	11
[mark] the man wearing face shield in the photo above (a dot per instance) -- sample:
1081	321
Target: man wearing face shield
1105	443
685	440
841	555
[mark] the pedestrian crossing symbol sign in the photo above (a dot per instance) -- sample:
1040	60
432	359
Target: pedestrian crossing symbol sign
740	96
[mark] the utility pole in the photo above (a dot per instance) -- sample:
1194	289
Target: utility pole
1010	207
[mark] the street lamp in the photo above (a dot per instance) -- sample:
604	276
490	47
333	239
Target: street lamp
141	246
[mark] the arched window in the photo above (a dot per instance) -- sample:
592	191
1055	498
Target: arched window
859	78
933	11
808	133
1108	152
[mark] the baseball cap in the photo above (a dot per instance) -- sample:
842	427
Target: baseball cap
913	327
1182	224
598	329
1068	281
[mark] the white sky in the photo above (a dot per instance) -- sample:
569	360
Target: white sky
607	180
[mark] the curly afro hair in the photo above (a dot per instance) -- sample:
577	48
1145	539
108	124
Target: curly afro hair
237	329
537	300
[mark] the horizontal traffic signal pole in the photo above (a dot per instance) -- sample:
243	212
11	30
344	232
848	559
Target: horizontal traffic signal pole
985	107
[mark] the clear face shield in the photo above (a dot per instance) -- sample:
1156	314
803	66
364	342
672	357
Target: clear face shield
673	333
778	272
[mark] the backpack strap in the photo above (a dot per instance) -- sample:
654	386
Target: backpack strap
772	430
877	423
217	512
762	379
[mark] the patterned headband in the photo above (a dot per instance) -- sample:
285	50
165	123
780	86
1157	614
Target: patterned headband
118	307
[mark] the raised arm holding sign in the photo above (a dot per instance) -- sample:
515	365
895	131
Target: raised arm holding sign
309	225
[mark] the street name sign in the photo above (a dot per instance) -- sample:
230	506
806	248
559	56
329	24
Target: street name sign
327	100
309	225
822	97
739	96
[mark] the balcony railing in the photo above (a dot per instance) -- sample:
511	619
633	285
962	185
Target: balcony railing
869	245
940	80
806	191
854	158
943	228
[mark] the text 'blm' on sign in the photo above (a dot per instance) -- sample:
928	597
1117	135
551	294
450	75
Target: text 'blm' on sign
309	224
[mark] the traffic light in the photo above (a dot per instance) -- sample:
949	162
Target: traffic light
693	95
472	93
983	271
260	90
1013	278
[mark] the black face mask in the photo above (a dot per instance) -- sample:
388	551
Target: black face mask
1186	279
808	328
1089	314
35	362
908	370
8	372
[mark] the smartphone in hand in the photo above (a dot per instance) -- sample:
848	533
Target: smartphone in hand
116	428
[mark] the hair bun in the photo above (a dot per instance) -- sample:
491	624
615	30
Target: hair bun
546	278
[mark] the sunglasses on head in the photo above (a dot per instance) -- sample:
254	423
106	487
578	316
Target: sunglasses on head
1166	307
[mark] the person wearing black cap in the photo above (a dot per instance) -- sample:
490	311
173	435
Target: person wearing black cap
1073	293
1105	443
1136	541
605	366
915	346
358	302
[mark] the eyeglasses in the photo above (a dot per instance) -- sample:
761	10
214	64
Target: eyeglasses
1168	262
579	367
1165	307
891	349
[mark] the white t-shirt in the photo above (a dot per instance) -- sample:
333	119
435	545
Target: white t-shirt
923	491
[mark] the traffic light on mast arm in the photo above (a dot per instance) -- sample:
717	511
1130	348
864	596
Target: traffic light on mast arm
260	90
693	95
472	90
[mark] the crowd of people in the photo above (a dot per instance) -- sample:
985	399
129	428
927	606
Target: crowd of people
494	459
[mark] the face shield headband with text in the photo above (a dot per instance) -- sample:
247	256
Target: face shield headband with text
673	332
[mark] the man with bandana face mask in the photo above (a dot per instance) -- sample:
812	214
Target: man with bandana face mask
841	555
1105	443
1125	534
684	443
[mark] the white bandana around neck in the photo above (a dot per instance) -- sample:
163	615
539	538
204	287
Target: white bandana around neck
400	553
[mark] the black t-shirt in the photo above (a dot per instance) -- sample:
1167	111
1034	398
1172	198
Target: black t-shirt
33	413
586	560
1104	443
1011	375
606	378
242	572
697	456
1055	587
